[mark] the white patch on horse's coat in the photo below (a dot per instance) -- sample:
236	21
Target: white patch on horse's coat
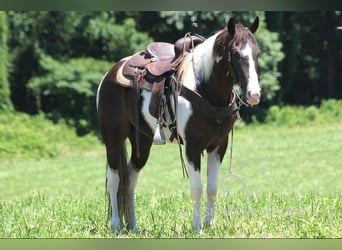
113	187
253	87
151	121
182	119
184	114
98	90
204	58
213	166
196	190
188	77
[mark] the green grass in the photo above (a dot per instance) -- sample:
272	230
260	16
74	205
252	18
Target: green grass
287	185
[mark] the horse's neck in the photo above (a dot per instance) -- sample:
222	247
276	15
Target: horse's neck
212	77
218	88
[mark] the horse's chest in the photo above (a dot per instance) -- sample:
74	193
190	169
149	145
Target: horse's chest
207	130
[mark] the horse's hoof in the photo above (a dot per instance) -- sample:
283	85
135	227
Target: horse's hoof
116	228
209	221
136	230
197	228
198	231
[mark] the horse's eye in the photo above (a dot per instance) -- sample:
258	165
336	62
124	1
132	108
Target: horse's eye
235	53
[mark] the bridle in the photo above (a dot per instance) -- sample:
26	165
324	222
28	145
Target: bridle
239	100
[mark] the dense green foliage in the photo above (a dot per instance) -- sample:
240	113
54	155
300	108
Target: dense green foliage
52	45
33	137
5	102
329	111
29	137
312	45
67	90
56	59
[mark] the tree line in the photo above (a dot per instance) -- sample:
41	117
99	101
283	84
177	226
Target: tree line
52	62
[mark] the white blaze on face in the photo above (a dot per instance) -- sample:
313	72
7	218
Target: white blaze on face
253	88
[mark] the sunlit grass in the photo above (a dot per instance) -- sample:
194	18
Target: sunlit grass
286	185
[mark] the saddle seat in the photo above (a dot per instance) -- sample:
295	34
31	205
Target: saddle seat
161	51
160	58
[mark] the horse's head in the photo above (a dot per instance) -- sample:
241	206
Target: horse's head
241	51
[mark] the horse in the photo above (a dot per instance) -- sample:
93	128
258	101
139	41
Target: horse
205	112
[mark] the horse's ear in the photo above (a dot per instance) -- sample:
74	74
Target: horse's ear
231	26
254	26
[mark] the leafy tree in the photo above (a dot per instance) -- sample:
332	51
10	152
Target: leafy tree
67	90
5	101
312	45
64	35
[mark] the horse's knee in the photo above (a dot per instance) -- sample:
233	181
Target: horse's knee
212	192
196	193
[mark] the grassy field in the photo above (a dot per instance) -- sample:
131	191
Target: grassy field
286	182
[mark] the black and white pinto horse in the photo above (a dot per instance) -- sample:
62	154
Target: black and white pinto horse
209	72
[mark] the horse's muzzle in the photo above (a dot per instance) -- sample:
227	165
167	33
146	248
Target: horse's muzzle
253	97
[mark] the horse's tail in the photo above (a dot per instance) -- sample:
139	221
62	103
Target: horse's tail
123	199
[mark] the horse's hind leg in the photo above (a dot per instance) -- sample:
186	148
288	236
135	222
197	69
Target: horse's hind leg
113	187
135	165
116	156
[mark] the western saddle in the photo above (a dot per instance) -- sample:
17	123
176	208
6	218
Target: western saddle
159	60
154	70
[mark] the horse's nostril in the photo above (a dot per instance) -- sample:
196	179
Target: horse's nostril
253	95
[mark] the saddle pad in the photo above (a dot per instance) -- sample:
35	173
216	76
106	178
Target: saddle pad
127	81
121	79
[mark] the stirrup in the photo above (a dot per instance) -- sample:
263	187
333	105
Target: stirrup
159	136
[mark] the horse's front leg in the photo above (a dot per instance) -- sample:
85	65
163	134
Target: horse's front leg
196	190
213	166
